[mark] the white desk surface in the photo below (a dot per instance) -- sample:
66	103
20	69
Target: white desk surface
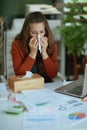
14	122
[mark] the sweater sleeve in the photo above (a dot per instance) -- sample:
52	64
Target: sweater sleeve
51	64
20	63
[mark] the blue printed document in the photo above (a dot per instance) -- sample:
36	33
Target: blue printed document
45	99
39	122
40	99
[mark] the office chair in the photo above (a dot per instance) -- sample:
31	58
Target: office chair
78	66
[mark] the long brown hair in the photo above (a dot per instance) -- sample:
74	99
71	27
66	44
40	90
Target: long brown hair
24	36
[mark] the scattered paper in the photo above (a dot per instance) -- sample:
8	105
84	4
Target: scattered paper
47	100
39	122
3	92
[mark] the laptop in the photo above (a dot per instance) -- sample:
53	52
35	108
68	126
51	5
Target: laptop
76	88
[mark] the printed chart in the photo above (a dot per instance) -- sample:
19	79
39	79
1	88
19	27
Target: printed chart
76	115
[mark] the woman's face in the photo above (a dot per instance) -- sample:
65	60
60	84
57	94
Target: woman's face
37	28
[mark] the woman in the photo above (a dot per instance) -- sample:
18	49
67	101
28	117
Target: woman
25	53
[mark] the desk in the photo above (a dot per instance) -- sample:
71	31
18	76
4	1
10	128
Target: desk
14	122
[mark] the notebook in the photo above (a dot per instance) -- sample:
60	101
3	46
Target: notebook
76	88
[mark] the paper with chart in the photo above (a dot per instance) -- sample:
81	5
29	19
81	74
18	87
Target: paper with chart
3	91
38	99
47	108
74	119
40	122
47	100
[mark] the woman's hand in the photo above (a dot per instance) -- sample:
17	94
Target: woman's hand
33	45
44	44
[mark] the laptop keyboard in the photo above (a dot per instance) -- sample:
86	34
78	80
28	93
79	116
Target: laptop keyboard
77	90
73	88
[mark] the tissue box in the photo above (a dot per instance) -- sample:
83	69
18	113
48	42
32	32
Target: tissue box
16	83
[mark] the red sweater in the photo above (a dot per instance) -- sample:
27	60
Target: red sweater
22	64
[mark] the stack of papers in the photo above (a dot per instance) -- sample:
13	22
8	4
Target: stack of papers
47	109
3	92
47	100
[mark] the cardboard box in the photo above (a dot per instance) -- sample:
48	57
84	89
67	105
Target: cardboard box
16	84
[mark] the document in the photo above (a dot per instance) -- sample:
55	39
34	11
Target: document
39	122
3	92
40	99
69	110
47	100
74	119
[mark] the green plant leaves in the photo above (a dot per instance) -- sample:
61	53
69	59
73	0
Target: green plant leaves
74	33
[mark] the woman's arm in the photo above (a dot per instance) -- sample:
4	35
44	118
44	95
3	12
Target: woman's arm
21	63
51	64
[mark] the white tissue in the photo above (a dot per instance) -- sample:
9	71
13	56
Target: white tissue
39	45
28	74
